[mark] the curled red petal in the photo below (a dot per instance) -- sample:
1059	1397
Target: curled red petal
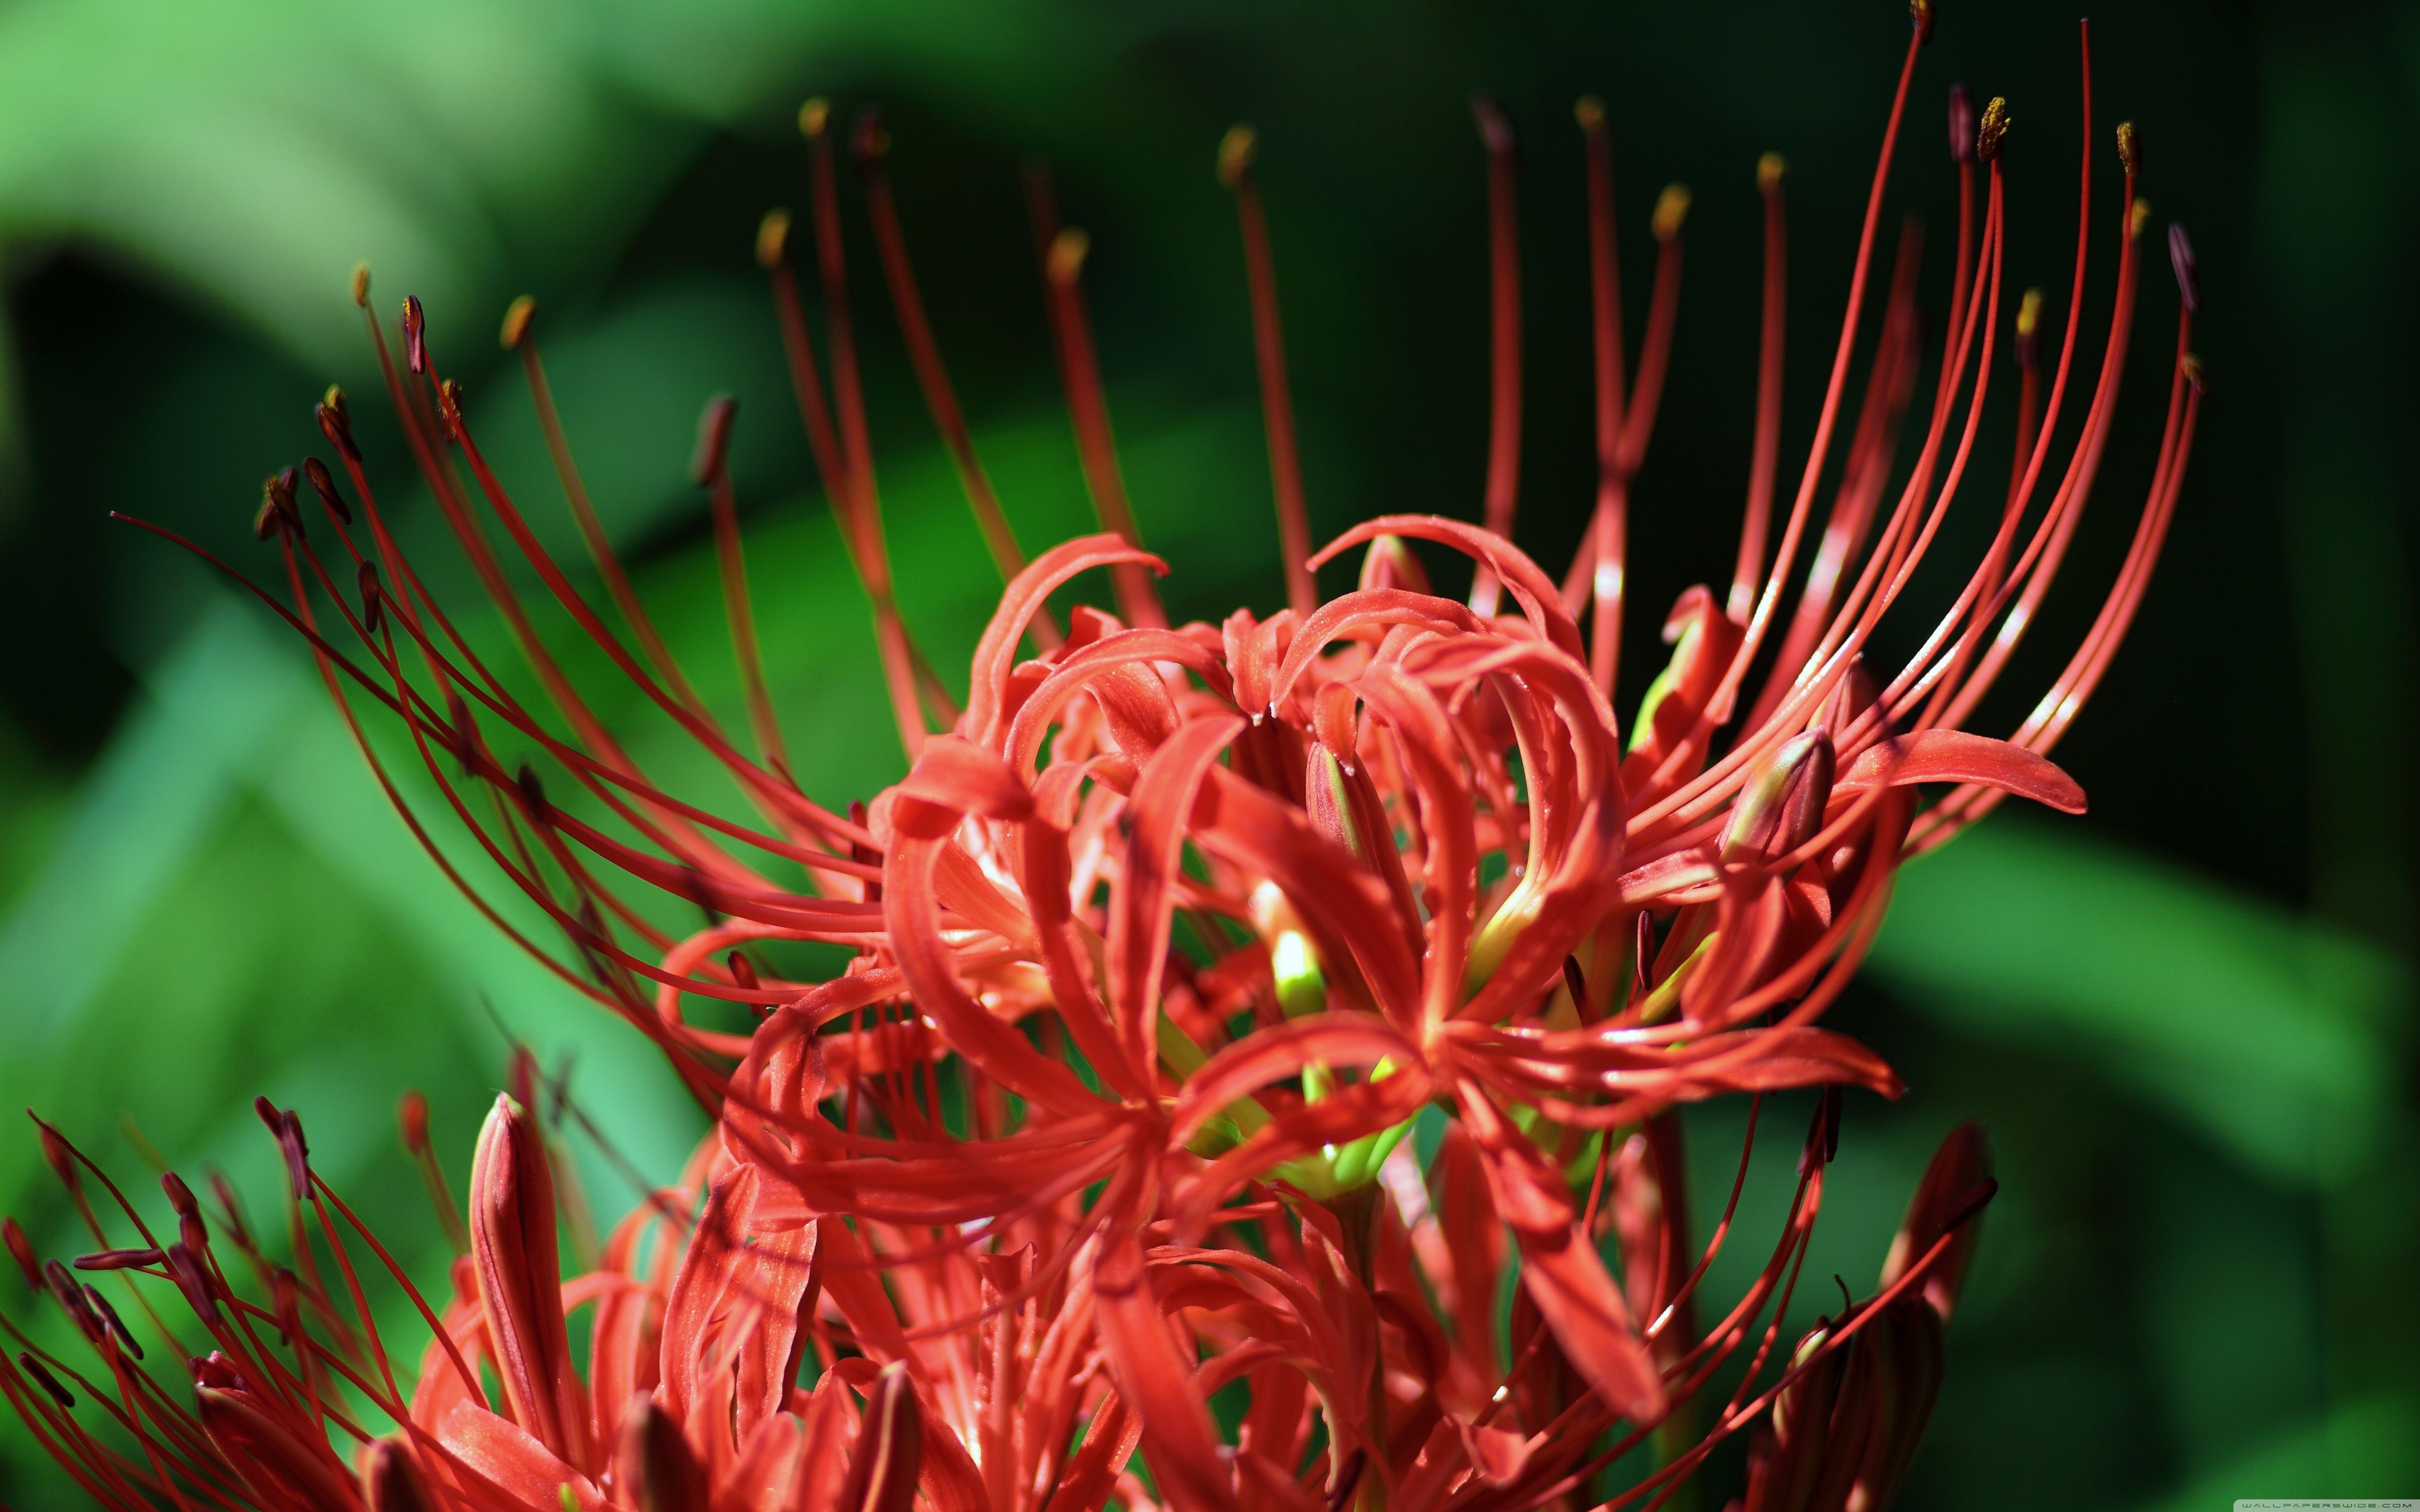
1955	756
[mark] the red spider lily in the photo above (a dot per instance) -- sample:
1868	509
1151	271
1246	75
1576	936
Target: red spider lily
1170	934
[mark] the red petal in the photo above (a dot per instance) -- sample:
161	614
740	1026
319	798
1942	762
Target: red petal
1955	756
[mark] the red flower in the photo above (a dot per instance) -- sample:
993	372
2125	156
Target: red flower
1169	935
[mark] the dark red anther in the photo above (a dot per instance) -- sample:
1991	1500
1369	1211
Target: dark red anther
325	486
49	1383
741	972
276	509
285	1302
412	1120
180	1197
1962	124
186	1269
449	409
68	1294
337	424
373	601
713	440
2180	256
61	1158
119	1259
1919	15
21	1249
297	1155
533	793
1823	1134
416	324
229	1209
116	1325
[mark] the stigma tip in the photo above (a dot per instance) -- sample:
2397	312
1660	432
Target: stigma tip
1495	127
713	440
517	322
2180	256
1590	112
1067	250
812	117
1236	151
1769	171
1671	208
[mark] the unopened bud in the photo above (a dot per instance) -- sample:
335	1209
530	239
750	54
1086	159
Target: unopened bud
1952	1192
1389	564
517	322
1671	208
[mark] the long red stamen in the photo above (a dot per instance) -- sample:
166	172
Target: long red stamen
1766	447
872	147
1235	153
1504	338
1088	407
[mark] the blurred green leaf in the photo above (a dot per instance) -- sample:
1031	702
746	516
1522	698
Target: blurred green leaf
2276	1037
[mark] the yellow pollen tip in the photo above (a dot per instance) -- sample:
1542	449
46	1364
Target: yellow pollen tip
1919	14
1671	208
2139	218
1988	135
1769	169
1589	112
2029	315
2129	149
361	285
2193	368
517	321
813	116
773	238
1067	250
1236	151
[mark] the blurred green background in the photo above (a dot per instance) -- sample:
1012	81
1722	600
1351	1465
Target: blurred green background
2187	1019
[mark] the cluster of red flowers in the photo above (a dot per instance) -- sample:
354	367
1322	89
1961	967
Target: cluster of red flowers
1246	1006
